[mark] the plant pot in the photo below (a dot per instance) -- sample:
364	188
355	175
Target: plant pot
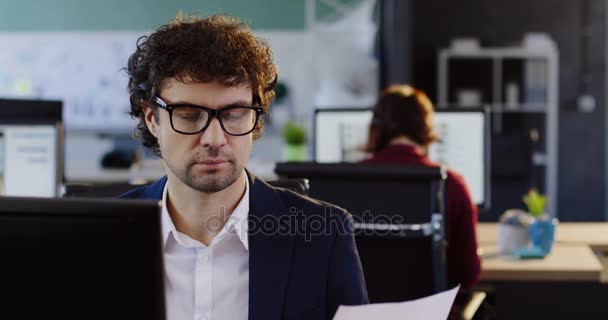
542	232
295	152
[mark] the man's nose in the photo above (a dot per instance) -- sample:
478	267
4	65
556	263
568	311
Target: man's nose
214	135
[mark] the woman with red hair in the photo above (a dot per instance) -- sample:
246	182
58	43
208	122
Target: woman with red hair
400	133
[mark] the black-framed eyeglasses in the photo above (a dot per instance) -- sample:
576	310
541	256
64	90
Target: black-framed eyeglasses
193	119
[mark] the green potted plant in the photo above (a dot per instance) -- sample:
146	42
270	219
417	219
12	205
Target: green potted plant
542	229
535	202
295	142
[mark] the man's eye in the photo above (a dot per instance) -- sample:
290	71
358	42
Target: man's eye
233	116
235	113
186	113
189	116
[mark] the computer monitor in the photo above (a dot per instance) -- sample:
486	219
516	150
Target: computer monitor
340	134
31	148
464	146
80	259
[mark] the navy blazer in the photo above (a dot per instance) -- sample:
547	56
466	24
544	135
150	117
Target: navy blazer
303	262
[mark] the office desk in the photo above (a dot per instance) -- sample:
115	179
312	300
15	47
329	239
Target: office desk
566	262
591	234
594	234
570	283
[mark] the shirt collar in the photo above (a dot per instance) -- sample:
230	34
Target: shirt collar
237	220
404	149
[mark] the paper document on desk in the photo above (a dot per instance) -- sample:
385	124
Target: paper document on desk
435	307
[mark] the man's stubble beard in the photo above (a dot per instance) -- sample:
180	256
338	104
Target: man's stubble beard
211	181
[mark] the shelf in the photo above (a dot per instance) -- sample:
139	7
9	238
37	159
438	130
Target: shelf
495	73
522	108
497	53
498	108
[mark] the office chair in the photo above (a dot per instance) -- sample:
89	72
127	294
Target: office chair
398	214
412	196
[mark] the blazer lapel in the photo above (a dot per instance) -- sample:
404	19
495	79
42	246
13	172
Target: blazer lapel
269	253
155	190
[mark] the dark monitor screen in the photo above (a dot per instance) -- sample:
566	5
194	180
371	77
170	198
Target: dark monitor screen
81	259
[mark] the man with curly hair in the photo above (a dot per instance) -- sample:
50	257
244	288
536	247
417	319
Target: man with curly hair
234	247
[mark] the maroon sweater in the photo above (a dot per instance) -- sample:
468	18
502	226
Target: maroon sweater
461	215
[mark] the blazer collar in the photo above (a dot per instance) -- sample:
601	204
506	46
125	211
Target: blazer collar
155	190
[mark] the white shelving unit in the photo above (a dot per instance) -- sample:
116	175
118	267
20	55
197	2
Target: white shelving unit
550	56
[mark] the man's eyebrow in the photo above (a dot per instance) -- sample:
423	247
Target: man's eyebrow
238	103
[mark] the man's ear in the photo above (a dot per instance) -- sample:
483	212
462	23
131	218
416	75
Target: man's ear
150	115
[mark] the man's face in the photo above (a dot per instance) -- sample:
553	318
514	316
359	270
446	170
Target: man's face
211	160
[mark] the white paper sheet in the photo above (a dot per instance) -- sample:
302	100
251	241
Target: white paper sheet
435	307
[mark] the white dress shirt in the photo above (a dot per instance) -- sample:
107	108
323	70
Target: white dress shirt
207	282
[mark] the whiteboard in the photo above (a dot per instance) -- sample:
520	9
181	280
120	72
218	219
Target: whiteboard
83	69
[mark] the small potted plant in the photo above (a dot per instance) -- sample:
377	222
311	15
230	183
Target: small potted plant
295	142
535	202
542	228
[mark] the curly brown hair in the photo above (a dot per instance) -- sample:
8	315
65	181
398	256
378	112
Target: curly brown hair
402	110
189	48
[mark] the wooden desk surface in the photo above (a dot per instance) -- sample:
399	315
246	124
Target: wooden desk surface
594	234
566	262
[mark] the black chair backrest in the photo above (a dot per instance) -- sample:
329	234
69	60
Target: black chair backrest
398	213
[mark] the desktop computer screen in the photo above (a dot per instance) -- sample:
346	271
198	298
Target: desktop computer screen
31	148
341	134
463	147
81	259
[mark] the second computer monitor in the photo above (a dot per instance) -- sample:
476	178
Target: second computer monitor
31	148
341	134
